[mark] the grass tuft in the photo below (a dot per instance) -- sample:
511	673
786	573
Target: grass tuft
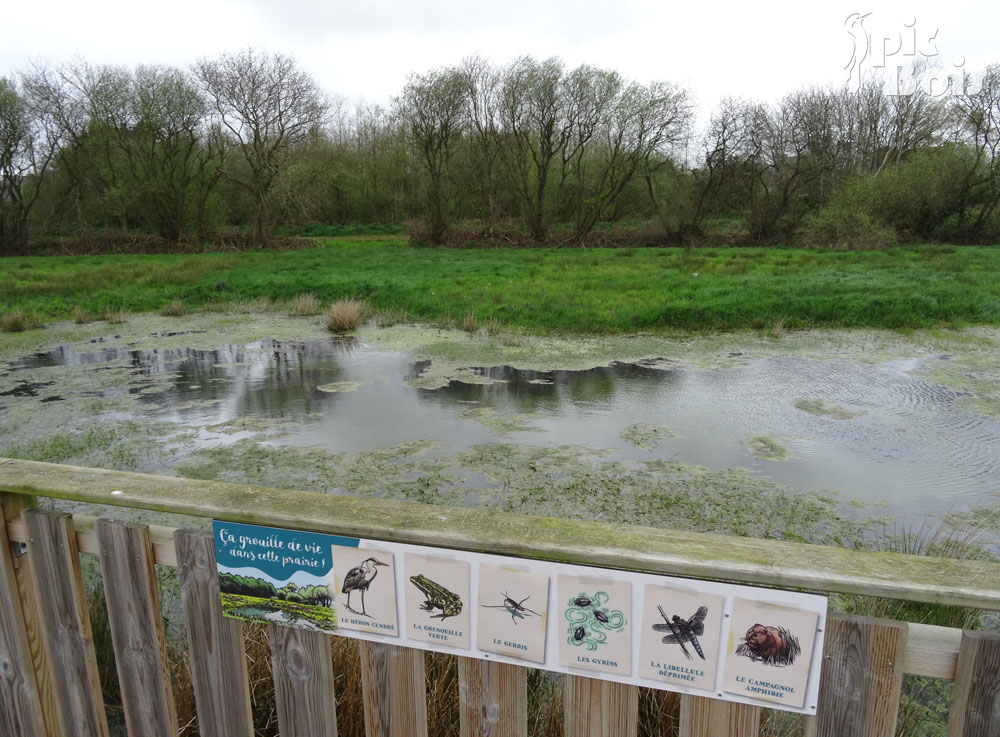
344	315
14	321
81	315
777	327
115	315
469	323
174	308
305	305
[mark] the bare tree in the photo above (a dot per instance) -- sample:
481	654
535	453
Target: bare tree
432	107
979	118
533	114
27	146
266	106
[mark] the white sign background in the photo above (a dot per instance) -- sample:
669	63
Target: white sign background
807	602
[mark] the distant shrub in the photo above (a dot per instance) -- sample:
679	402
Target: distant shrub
844	228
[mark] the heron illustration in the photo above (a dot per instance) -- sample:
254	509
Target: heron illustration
360	578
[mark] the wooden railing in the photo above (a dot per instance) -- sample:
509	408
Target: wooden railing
48	670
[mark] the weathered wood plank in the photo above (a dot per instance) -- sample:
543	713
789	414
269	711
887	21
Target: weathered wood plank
62	610
13	505
932	651
162	538
493	699
862	677
303	682
701	717
768	562
394	690
593	708
20	703
136	628
218	661
975	702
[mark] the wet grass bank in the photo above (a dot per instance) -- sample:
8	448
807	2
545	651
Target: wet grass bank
602	291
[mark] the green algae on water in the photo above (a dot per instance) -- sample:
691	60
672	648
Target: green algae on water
767	448
645	436
501	424
820	407
340	387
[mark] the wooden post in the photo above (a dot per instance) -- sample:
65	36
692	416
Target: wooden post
218	660
136	628
303	682
62	610
20	703
975	702
861	678
593	708
395	693
701	717
13	505
492	699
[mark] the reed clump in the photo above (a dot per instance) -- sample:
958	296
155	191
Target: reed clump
344	315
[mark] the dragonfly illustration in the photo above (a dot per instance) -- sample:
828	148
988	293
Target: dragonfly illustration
684	630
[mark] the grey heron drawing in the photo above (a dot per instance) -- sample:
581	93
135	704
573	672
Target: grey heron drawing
360	578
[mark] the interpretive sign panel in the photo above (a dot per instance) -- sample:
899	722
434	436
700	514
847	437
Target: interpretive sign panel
705	638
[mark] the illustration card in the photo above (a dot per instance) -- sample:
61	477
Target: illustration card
594	616
281	576
679	643
437	600
512	613
769	652
365	590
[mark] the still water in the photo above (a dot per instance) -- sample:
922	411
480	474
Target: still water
902	441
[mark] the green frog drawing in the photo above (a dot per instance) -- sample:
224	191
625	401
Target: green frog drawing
438	597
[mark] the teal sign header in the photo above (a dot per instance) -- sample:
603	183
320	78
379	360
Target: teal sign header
276	552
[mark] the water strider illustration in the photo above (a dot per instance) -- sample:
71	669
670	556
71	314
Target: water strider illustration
515	608
438	597
684	630
590	620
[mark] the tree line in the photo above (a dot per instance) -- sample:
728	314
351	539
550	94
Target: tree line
482	151
314	594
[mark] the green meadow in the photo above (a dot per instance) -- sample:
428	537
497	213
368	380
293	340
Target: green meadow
538	290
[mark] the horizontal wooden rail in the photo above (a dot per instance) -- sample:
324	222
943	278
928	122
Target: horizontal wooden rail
720	557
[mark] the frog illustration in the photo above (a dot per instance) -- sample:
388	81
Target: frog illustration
438	597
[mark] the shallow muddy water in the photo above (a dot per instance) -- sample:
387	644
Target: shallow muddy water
885	432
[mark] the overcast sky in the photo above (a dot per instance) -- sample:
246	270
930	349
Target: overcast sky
366	48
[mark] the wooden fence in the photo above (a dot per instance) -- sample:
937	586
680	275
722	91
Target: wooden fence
48	669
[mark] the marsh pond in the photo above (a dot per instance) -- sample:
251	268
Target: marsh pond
801	435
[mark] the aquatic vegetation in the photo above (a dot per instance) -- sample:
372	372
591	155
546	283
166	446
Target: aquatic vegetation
820	407
766	448
643	435
501	425
340	387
